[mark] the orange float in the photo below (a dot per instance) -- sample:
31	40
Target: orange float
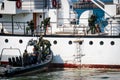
54	3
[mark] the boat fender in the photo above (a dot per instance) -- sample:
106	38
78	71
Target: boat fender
18	4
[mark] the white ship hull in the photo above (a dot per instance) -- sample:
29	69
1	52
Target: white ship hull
97	52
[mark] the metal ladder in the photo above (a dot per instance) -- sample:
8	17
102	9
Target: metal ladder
78	56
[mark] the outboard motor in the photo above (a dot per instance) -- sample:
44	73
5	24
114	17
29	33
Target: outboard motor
17	61
10	61
13	61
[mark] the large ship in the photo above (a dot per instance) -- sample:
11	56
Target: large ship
72	45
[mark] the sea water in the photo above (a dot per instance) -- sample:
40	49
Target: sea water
71	74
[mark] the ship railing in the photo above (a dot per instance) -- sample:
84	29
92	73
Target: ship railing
118	9
19	28
33	5
73	29
84	5
81	29
89	4
113	29
40	30
13	27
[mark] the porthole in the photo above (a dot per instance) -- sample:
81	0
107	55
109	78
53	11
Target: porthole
20	41
6	40
80	42
70	42
70	6
40	16
55	42
112	43
91	42
101	42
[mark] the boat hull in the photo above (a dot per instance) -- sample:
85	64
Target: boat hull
26	71
12	70
75	51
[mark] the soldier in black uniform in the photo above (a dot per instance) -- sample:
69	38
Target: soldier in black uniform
91	23
45	23
31	25
44	46
25	58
